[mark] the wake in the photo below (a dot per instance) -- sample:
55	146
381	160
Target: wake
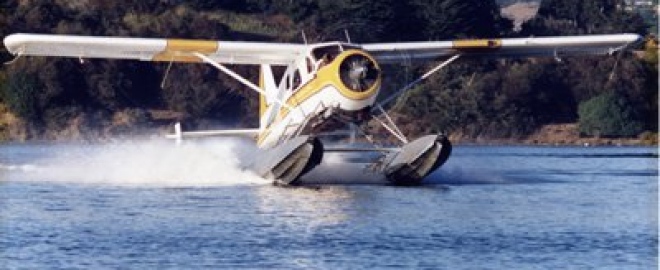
143	163
203	163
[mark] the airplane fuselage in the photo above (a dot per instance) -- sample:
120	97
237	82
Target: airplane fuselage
326	89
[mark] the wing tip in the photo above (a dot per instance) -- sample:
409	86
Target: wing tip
635	38
13	42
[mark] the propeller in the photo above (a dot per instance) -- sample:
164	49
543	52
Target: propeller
358	72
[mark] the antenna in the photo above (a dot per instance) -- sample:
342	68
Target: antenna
304	36
348	37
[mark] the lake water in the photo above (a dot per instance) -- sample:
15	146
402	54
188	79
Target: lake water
150	205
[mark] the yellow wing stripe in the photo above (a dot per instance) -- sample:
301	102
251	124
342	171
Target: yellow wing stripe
477	44
180	50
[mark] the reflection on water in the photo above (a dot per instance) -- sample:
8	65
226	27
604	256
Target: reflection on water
313	207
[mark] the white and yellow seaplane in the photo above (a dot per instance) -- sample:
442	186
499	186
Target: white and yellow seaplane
326	87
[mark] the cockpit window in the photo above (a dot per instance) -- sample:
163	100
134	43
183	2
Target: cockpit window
324	55
327	52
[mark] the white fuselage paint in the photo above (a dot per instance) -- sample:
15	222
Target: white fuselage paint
328	96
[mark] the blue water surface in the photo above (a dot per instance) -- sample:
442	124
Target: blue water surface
487	208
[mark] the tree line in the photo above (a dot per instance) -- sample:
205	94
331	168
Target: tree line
487	97
612	96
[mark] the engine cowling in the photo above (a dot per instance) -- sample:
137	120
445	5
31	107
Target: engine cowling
359	72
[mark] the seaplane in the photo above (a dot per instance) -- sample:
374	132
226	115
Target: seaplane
325	87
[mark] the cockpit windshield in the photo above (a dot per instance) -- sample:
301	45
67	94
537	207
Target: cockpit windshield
330	51
324	54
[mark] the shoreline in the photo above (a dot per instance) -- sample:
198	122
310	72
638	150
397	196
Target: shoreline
125	128
585	142
565	134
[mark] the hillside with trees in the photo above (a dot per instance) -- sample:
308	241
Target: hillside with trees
49	98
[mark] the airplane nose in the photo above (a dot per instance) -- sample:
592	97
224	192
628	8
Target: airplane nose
359	73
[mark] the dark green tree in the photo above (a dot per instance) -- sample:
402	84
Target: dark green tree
609	115
365	21
22	95
447	19
477	98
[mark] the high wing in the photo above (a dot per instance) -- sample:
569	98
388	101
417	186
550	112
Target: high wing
508	47
255	53
153	49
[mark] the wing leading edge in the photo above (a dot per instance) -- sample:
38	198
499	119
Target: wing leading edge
255	53
152	49
508	47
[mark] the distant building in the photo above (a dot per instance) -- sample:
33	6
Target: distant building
642	5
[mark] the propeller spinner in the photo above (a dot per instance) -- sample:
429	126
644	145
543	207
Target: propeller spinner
358	72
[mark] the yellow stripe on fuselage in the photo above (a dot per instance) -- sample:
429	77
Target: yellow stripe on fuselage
262	99
180	50
329	76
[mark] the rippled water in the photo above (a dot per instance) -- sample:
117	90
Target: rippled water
148	205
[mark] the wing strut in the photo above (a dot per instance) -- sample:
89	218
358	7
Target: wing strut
388	123
415	82
392	128
239	78
616	63
167	72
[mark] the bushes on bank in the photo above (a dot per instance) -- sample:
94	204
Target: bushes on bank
609	115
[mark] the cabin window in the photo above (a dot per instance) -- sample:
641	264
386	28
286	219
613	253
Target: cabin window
297	80
309	65
287	81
